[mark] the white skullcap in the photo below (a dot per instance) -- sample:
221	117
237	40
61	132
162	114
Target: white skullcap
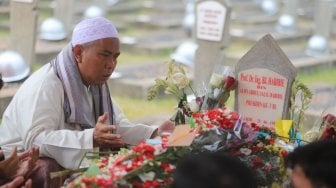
93	29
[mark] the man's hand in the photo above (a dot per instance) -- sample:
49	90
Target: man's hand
17	182
167	126
28	162
9	166
103	136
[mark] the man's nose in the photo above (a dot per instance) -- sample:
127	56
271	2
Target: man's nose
111	63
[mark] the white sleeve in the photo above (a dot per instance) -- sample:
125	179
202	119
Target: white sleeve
131	133
49	132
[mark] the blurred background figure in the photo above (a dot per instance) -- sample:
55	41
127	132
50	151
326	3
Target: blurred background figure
215	170
313	165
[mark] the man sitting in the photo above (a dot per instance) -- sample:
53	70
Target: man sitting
65	108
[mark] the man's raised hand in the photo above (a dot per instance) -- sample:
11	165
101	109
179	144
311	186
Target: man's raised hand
103	136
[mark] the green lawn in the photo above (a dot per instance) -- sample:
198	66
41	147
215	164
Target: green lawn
325	75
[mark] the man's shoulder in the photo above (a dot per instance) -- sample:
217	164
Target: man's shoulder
45	77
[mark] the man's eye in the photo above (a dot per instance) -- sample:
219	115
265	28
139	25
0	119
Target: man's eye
105	55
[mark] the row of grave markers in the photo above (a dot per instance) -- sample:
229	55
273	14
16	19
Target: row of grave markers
23	24
24	42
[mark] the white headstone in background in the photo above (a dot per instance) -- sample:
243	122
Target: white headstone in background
265	76
210	20
318	44
212	36
23	21
64	12
287	20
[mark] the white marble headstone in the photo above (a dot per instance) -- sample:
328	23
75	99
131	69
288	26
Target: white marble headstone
23	21
212	36
265	76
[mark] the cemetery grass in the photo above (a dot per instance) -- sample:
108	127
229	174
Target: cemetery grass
319	75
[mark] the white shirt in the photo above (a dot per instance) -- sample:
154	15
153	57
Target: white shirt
35	118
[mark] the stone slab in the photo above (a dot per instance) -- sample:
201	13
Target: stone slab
253	34
149	5
131	7
245	6
299	59
253	18
155	41
153	21
47	50
135	81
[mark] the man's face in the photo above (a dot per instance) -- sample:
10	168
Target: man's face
97	60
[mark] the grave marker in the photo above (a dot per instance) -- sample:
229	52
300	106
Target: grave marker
23	20
265	76
212	35
287	20
318	44
63	11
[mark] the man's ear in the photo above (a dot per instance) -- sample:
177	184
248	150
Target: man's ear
78	49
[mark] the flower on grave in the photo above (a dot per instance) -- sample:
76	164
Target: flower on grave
153	165
265	155
220	117
180	80
328	128
324	128
195	104
222	82
297	111
175	83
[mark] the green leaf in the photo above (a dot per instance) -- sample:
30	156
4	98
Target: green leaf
92	171
191	122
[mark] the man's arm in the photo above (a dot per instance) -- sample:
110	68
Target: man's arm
130	132
45	127
134	133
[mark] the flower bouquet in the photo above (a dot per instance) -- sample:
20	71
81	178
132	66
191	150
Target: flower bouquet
218	130
328	128
222	130
265	155
143	166
222	82
175	83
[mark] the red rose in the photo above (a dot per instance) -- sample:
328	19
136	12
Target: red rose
328	134
330	119
229	83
